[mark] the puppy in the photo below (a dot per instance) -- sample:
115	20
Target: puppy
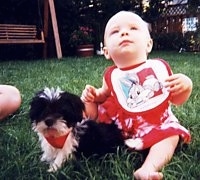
57	118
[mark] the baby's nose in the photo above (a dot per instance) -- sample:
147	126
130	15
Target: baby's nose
124	33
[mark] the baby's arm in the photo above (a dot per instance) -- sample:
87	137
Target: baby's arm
91	97
92	94
180	87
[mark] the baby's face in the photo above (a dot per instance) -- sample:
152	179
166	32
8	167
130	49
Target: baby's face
126	34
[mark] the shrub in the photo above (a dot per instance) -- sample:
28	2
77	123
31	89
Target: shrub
81	36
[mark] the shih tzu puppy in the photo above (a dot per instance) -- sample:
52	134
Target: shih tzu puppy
57	118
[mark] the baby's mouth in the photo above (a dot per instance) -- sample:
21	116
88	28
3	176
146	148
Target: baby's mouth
125	42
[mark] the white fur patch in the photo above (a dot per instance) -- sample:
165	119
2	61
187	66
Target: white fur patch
51	93
136	144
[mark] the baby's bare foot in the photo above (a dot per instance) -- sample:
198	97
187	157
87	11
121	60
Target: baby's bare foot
141	174
155	176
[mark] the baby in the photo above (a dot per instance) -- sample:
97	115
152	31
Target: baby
137	93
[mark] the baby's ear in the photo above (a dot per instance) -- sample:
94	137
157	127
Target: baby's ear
106	53
149	45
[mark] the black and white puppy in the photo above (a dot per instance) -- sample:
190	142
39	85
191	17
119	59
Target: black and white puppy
57	117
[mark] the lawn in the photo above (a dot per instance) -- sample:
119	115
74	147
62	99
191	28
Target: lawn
19	147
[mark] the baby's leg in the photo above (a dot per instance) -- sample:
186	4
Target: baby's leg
159	155
10	100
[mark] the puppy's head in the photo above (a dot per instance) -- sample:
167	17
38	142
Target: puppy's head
55	112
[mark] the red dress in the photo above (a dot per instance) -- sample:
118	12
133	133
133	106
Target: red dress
139	104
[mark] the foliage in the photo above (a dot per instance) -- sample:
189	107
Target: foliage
190	41
193	5
168	41
19	12
81	36
19	147
153	11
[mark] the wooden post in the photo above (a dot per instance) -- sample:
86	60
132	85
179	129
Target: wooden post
50	4
46	27
55	29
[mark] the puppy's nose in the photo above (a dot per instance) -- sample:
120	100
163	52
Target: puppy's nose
49	122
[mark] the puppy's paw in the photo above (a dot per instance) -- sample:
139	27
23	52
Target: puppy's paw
53	168
44	158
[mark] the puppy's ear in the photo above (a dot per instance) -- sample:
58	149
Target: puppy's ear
74	106
37	106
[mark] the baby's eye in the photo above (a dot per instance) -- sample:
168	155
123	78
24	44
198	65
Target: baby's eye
114	31
133	28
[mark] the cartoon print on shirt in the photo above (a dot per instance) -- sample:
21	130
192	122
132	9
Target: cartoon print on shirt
140	89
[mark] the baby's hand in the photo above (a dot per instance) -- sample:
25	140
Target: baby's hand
178	83
88	94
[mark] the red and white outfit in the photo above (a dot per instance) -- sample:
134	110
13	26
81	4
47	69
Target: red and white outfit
139	103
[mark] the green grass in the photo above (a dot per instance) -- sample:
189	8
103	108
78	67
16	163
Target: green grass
19	147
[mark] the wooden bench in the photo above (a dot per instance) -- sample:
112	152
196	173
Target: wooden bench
20	34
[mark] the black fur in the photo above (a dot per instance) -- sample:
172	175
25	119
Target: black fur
99	138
